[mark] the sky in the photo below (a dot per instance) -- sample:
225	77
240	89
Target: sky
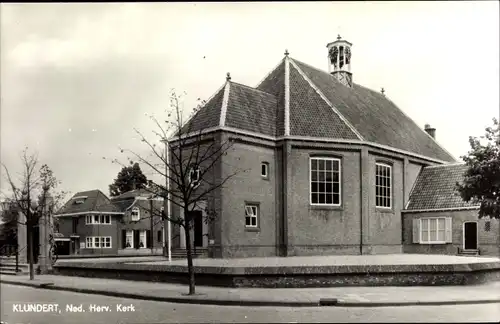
76	78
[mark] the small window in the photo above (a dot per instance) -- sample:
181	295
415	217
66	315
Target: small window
135	214
88	219
487	226
107	242
264	170
194	177
142	239
129	237
97	241
89	242
96	219
251	216
383	185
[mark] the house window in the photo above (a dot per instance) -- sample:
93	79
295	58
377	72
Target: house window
251	215
383	190
105	219
264	170
98	242
487	226
194	176
129	239
432	230
142	239
325	181
136	214
105	241
89	242
97	219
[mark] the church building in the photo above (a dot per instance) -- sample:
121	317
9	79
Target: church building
330	165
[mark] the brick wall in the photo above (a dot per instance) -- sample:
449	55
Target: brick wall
84	230
488	241
384	224
248	186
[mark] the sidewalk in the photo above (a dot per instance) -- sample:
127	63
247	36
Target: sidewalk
292	297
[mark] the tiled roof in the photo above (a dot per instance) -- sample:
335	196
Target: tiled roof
357	112
310	115
374	116
208	116
251	109
274	84
94	199
435	188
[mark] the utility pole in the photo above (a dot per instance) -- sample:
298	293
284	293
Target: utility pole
151	234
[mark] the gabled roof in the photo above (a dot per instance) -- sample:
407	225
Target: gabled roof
435	188
296	99
93	201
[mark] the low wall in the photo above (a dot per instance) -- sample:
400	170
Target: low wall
292	277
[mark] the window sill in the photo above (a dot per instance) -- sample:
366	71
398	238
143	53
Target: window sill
433	243
252	229
325	207
384	210
264	177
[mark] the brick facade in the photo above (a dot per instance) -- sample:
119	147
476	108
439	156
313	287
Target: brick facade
288	223
488	240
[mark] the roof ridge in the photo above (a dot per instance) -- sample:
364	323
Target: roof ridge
249	87
197	112
270	72
322	95
445	165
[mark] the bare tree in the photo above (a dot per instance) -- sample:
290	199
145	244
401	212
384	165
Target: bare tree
185	160
31	195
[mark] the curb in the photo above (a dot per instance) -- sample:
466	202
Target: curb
327	302
178	300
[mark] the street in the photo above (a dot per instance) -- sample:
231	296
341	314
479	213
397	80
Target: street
19	305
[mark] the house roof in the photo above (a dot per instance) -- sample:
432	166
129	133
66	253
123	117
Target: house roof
97	201
132	194
435	188
92	201
297	99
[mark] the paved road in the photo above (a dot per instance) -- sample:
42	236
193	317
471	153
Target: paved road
159	312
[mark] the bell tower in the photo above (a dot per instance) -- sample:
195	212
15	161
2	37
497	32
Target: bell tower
339	61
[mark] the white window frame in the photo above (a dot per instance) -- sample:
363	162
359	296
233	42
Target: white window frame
430	241
98	242
129	233
143	236
102	219
89	242
196	183
132	216
264	166
339	171
252	212
383	197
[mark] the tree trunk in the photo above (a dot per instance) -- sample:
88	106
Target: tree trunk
187	229
30	252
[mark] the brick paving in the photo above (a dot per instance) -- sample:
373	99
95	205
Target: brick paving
349	295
